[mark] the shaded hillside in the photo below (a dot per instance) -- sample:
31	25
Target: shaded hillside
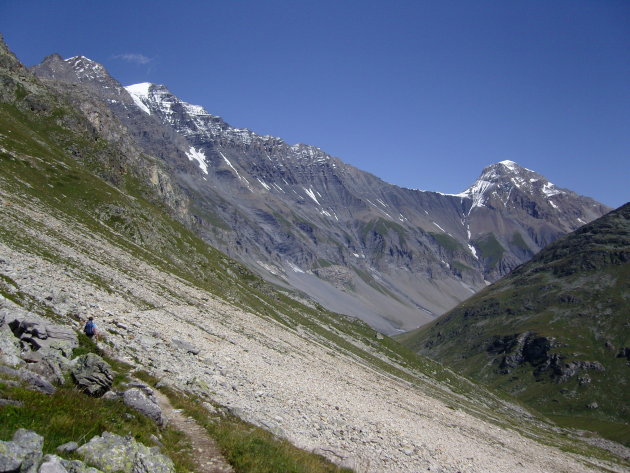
555	332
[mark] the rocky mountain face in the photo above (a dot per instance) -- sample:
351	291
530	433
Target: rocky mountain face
301	218
556	331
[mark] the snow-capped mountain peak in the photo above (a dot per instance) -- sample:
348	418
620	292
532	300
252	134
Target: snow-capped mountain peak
87	69
500	181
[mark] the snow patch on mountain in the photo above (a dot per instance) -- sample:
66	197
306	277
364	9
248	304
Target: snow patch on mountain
311	194
86	69
199	156
550	190
139	93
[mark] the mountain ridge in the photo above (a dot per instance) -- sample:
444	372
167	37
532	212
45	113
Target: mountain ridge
301	218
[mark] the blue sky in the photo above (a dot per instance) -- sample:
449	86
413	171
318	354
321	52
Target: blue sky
423	94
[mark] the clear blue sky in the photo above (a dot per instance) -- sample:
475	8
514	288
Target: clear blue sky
423	94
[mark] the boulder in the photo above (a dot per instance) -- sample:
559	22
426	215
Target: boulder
33	380
9	347
52	464
21	454
68	447
92	374
39	333
77	466
51	364
186	346
143	400
111	452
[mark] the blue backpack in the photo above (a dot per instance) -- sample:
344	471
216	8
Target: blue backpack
89	328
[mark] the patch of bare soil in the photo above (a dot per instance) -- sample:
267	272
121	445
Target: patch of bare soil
207	456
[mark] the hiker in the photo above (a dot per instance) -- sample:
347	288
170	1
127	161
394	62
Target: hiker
90	328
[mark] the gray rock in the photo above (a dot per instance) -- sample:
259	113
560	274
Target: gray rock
33	380
68	447
23	453
39	333
92	374
77	466
139	400
111	452
52	464
111	395
187	347
9	347
11	402
50	363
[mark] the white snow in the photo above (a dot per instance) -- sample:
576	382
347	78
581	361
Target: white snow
229	164
581	221
138	92
550	190
311	194
511	165
552	204
439	227
264	184
296	269
197	155
473	250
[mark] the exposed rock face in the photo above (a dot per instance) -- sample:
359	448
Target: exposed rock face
92	374
535	350
143	400
32	380
21	454
293	213
45	347
111	452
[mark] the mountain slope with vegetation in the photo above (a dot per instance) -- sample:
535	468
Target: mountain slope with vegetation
555	333
86	230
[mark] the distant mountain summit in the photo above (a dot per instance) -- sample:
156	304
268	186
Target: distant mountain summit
506	185
394	257
555	332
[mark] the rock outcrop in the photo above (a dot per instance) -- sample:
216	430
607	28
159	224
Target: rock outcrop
92	374
21	454
110	452
142	398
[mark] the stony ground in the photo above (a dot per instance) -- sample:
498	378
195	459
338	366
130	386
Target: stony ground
289	381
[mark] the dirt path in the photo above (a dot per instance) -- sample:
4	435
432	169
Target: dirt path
207	456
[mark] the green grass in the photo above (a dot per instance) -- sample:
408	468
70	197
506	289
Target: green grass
383	227
489	248
250	449
447	242
518	242
68	415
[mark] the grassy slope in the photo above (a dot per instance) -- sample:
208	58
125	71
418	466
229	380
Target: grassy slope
576	292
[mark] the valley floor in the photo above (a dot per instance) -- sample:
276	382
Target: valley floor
291	381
